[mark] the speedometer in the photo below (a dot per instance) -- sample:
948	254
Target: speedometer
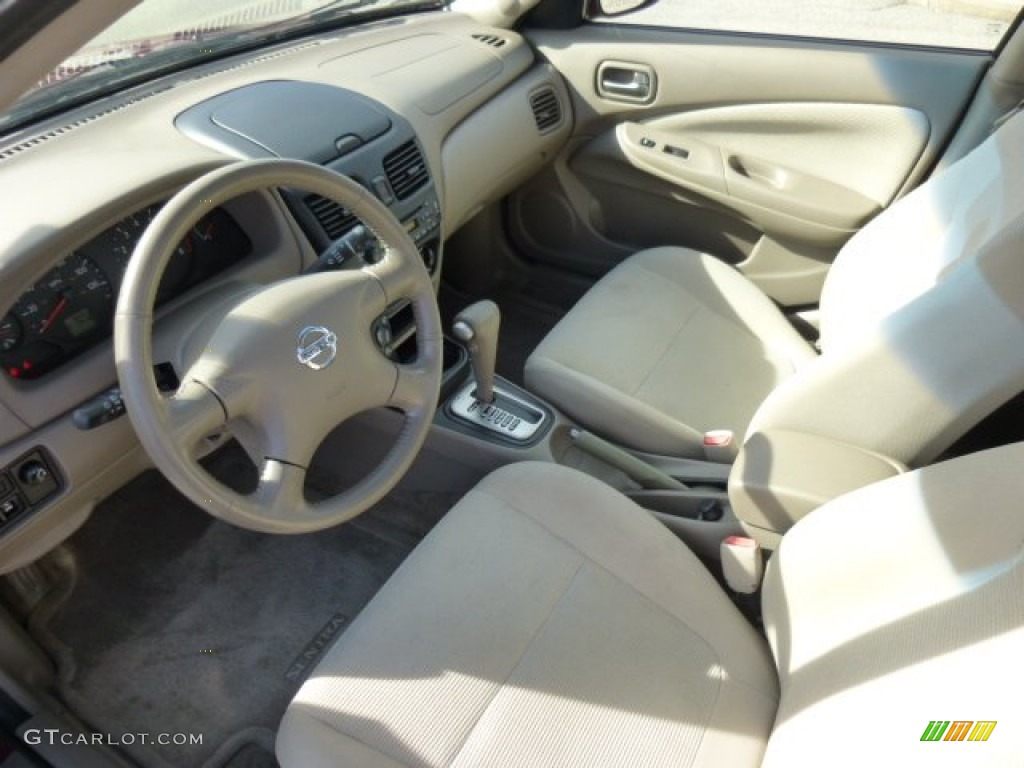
70	304
10	333
71	308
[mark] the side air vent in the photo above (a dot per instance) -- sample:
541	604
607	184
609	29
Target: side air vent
547	109
335	220
492	40
406	170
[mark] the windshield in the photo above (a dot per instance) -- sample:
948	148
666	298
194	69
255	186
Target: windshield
162	35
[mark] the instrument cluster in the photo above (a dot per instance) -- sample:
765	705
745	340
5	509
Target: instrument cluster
71	308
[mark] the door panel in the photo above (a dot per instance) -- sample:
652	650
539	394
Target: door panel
767	153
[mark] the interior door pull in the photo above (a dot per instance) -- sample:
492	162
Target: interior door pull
621	81
638	84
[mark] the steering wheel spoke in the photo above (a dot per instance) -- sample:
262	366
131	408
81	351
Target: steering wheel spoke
281	488
415	387
192	413
396	275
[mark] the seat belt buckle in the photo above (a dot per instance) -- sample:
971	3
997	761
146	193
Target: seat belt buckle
720	446
742	564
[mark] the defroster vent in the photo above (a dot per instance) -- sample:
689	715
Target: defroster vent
335	220
547	109
406	170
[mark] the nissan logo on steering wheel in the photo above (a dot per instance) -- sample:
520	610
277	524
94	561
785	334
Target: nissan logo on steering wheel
317	347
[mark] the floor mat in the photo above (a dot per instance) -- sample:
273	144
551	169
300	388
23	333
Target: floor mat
171	622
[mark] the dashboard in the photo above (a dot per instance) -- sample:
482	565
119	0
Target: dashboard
434	114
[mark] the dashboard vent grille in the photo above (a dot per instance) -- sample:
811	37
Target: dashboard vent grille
258	59
492	40
406	169
15	149
335	220
547	109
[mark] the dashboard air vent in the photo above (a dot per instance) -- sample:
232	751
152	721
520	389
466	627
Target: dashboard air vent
406	169
335	220
547	109
492	40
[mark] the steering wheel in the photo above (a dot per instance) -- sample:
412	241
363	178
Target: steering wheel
291	361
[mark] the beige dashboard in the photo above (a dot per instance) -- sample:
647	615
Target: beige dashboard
467	91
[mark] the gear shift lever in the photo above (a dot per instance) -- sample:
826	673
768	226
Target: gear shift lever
477	326
505	413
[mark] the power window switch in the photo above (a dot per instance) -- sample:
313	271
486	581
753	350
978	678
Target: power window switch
10	508
680	152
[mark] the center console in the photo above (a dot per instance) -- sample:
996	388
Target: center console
514	417
484	421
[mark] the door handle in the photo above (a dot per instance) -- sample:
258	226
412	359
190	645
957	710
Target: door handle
621	81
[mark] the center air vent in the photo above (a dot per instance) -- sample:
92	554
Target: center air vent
406	170
335	220
547	109
492	40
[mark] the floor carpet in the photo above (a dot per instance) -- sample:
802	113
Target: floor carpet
167	621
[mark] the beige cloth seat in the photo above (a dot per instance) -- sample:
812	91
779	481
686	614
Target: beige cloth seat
549	621
921	321
670	344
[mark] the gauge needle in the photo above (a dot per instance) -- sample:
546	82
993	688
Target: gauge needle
52	317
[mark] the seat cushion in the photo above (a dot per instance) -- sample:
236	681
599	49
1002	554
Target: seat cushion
670	344
547	621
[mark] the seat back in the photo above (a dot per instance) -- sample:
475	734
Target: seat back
922	315
897	607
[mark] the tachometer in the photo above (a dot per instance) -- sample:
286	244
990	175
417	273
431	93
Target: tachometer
119	242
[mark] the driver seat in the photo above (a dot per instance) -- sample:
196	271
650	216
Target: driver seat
549	621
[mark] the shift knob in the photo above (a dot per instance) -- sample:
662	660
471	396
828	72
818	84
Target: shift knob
477	327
